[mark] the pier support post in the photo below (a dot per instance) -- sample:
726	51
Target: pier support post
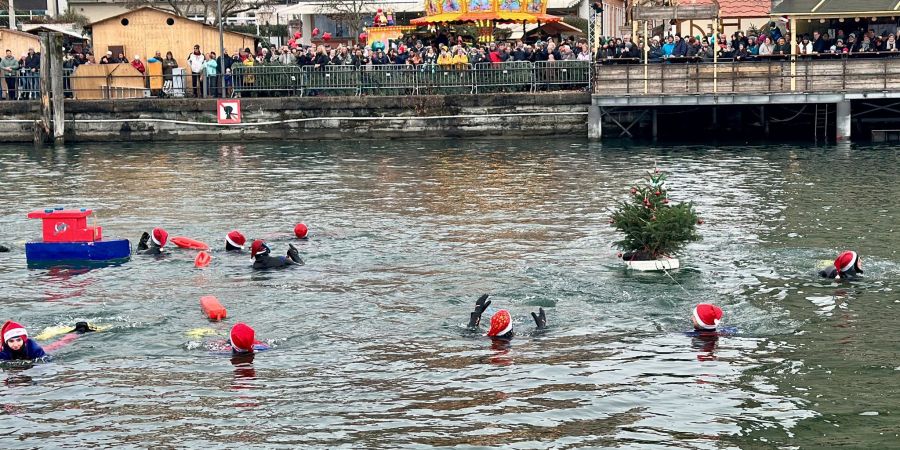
655	125
42	128
843	121
595	123
56	82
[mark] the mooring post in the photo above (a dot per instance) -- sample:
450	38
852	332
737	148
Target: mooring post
56	82
42	134
843	121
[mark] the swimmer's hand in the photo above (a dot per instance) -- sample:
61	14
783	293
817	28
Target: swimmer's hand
142	244
540	319
480	306
294	254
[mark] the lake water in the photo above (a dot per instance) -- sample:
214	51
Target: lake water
370	349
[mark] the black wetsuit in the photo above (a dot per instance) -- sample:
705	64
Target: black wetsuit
266	261
144	248
3	248
831	272
231	248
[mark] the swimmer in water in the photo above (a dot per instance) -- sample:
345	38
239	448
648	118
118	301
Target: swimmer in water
260	252
3	248
234	241
152	243
243	340
501	321
706	318
16	345
847	266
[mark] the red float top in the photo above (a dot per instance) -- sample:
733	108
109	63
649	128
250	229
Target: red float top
67	225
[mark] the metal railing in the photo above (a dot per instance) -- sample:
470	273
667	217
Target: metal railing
291	80
759	76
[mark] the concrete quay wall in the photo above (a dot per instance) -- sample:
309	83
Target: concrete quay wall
311	118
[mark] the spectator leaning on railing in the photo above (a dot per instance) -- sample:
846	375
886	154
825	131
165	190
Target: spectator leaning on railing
8	66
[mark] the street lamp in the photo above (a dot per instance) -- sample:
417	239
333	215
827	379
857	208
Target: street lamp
221	68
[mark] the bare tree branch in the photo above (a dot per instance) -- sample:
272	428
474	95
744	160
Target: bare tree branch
205	9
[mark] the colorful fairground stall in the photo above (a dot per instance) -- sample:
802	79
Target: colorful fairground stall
484	14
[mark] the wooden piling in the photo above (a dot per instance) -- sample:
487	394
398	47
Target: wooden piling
42	128
56	82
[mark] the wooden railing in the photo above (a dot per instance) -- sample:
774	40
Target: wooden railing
762	76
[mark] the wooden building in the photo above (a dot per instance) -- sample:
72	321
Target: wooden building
17	41
144	31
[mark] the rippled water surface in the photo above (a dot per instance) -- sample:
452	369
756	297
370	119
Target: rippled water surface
370	348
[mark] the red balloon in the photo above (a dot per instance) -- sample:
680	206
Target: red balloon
326	36
363	36
315	32
298	35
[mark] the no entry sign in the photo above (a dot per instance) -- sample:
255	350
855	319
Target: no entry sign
228	111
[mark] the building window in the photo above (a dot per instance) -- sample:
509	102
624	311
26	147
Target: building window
170	21
124	22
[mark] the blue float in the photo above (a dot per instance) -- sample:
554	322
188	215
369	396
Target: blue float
67	238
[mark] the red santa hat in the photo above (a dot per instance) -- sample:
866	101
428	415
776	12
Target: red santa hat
258	246
159	237
846	261
235	238
707	316
301	230
242	337
501	323
12	329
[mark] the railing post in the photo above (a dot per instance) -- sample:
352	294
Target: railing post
793	54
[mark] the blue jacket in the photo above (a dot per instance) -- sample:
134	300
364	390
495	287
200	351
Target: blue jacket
31	350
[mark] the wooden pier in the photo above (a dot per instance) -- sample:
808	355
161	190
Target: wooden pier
836	84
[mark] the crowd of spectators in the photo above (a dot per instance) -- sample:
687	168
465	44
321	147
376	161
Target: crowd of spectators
745	47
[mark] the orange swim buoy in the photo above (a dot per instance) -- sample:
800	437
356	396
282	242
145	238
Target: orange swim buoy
212	308
184	242
202	259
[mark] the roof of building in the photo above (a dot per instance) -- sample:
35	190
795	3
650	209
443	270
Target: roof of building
174	16
835	8
736	8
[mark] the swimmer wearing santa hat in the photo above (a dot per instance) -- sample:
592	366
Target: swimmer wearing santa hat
847	266
234	241
152	243
243	340
260	252
501	321
16	345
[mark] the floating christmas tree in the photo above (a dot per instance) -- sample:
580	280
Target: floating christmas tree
654	228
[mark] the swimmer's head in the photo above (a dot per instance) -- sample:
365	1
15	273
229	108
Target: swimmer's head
501	323
301	230
235	239
258	247
706	317
14	335
242	337
159	237
848	261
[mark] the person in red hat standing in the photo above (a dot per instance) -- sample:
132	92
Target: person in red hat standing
260	253
301	231
234	241
153	242
16	345
501	321
847	266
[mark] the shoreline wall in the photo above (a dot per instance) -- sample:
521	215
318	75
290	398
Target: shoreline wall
311	118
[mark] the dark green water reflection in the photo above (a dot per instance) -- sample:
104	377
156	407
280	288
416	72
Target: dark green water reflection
369	346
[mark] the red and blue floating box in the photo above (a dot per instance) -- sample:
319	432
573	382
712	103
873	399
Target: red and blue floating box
68	238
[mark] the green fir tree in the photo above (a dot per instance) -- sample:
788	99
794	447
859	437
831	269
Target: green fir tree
652	225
